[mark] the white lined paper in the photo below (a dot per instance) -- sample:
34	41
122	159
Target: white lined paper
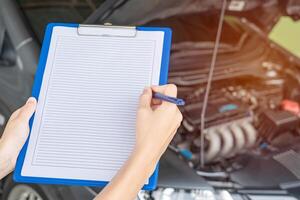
84	126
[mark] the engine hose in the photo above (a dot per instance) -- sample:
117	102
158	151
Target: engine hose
212	174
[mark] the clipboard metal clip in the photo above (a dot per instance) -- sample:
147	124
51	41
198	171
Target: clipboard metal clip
107	30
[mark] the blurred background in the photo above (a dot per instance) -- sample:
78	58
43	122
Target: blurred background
250	144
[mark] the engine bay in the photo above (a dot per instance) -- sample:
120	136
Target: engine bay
253	107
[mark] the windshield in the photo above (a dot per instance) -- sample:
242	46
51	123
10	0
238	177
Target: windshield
41	12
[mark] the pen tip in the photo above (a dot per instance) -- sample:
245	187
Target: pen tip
181	102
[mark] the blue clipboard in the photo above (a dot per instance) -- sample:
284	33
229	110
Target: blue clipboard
36	91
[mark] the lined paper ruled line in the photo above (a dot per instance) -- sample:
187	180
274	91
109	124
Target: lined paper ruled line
87	156
99	153
125	141
87	165
103	156
77	153
90	162
78	166
80	145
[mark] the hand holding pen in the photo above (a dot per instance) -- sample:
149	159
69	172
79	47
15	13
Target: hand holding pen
160	96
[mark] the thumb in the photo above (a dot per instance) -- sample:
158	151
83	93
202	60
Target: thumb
145	98
28	109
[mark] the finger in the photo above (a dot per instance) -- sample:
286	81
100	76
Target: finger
154	107
179	116
159	88
169	89
155	102
177	119
28	109
145	98
15	114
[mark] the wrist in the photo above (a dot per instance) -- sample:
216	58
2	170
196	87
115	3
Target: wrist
144	158
2	156
5	158
5	162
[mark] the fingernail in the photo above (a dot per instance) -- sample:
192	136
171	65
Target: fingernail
30	100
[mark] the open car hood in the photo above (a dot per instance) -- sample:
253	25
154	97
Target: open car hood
264	13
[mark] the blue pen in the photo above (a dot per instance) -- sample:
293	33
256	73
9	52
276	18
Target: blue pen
178	102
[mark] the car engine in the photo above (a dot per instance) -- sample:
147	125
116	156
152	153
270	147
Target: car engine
253	104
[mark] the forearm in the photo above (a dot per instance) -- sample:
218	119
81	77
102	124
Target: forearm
130	178
5	163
